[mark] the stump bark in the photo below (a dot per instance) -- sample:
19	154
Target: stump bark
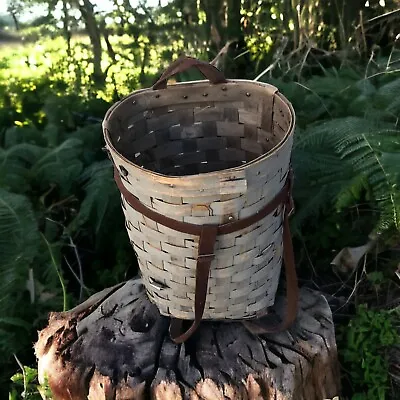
116	346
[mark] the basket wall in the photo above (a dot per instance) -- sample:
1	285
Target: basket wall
231	144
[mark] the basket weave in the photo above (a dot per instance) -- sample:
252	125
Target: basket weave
204	153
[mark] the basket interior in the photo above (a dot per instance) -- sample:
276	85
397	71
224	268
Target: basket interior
195	128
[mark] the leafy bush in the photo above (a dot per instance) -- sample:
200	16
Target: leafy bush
25	385
346	156
56	196
366	341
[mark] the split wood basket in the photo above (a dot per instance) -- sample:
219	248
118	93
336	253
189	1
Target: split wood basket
204	172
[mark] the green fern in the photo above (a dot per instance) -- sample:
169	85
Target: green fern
60	166
15	165
19	238
101	197
347	155
351	191
30	282
23	135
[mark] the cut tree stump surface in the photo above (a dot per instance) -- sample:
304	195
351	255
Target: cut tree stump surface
116	345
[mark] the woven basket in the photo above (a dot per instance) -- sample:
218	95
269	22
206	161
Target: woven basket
204	153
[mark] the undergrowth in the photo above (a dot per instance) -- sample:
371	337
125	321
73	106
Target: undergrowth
25	385
365	343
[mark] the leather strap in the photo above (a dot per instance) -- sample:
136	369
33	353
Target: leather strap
205	256
208	234
213	74
193	229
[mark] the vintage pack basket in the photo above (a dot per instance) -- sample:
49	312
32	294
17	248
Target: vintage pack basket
204	172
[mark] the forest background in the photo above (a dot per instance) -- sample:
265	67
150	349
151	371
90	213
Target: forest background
62	233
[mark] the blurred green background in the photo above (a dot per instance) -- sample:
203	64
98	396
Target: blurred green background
62	233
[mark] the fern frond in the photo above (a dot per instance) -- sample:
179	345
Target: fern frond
351	155
15	164
26	152
23	135
60	166
310	202
329	85
19	237
390	90
317	167
101	196
394	107
333	133
13	174
351	192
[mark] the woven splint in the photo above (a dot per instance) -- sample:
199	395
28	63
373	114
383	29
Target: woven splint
204	167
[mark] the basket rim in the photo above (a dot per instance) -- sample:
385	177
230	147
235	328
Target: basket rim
177	178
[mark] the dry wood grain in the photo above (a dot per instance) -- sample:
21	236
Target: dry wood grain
116	346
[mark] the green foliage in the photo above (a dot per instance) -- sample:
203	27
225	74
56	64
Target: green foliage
353	155
345	156
366	341
25	385
56	190
19	238
100	198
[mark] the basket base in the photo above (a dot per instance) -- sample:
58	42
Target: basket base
259	314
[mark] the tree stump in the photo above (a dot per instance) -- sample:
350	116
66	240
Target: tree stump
116	345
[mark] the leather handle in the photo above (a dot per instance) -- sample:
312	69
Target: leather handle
213	74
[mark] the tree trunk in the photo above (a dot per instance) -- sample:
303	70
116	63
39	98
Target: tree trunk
66	29
234	30
15	19
297	37
116	346
214	30
106	35
145	61
86	9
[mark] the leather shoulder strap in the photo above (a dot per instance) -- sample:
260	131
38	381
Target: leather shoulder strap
206	249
